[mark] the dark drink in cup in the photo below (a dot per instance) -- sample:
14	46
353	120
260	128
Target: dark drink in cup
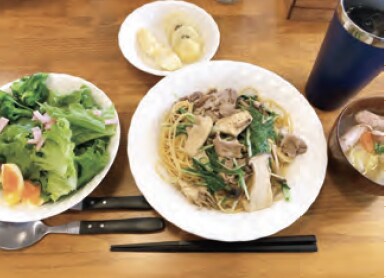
351	54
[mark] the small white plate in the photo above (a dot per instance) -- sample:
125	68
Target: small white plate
63	84
151	16
305	175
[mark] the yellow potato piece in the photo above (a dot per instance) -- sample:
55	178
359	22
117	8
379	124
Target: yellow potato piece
167	59
173	21
188	50
148	43
163	56
185	32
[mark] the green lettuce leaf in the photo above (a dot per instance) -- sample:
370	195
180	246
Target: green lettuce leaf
31	90
77	116
82	96
11	109
90	160
82	135
84	124
56	158
15	149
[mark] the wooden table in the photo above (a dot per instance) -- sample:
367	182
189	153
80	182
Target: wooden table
80	38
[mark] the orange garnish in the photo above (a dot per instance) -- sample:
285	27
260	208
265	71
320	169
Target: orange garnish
367	142
31	193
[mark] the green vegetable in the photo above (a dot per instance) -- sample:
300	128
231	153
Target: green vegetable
82	135
379	148
210	172
90	160
286	190
262	128
31	90
241	178
188	121
181	128
218	167
14	148
11	109
212	181
57	159
77	116
82	96
182	110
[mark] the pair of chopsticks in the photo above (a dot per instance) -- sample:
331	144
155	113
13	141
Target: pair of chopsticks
284	244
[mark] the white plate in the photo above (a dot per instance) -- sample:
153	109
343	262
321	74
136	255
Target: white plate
305	175
63	84
151	16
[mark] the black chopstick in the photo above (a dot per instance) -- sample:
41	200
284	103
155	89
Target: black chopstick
288	244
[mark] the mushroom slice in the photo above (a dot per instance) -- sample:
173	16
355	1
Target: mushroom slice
228	149
198	134
193	97
198	195
292	145
260	184
234	124
351	137
367	118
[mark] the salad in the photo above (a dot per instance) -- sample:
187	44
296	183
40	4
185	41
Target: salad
50	144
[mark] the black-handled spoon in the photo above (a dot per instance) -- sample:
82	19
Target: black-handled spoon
14	236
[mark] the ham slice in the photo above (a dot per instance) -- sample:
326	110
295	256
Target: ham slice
40	143
111	121
49	124
37	116
38	139
97	112
45	119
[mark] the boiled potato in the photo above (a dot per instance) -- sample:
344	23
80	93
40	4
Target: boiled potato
167	59
148	43
188	50
186	42
184	32
163	56
173	21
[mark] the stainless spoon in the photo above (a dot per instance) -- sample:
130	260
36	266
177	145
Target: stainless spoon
14	236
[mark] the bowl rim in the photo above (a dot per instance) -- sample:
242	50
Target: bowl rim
338	129
159	72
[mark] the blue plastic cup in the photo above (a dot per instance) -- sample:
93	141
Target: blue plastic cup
348	60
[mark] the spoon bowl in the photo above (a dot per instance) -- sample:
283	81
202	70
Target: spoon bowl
14	236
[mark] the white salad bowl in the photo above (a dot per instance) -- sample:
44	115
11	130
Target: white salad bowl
151	16
63	84
305	175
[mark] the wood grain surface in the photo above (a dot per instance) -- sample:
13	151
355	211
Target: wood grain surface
79	37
